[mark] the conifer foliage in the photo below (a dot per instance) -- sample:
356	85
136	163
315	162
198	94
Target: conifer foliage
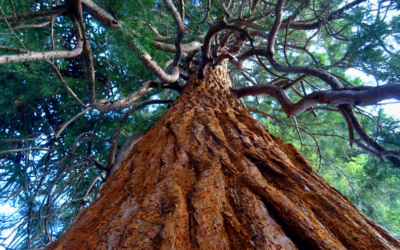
82	81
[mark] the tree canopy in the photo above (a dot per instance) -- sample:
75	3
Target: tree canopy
80	78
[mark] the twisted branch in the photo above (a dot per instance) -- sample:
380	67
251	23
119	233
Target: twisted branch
353	96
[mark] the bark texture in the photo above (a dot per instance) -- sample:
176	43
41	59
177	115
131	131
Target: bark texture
209	176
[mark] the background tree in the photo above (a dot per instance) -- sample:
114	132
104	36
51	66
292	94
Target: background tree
70	119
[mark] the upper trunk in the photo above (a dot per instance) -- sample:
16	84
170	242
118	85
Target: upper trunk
209	176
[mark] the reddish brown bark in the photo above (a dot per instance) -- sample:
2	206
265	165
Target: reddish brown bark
209	176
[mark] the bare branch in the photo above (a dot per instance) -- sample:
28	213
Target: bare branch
26	139
349	124
24	149
248	78
221	25
159	84
79	138
114	140
93	182
90	78
364	97
323	75
365	137
153	66
241	8
105	104
247	54
226	55
300	48
205	51
28	26
29	15
180	29
292	83
333	16
291	125
223	8
158	37
71	120
13	7
12	31
377	153
206	16
323	108
107	19
34	180
13	49
100	14
87	55
64	83
192	46
35	56
298	132
98	164
275	27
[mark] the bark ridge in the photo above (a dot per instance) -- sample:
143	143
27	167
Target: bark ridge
209	176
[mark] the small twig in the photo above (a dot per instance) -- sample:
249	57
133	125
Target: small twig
114	139
291	125
9	26
298	132
348	181
64	83
71	120
24	149
12	5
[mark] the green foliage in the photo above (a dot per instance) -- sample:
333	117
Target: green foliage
48	188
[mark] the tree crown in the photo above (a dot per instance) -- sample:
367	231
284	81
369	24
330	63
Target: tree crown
81	77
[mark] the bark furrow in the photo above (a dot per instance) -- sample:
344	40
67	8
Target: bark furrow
209	176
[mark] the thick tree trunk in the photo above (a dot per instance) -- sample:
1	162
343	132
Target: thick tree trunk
209	176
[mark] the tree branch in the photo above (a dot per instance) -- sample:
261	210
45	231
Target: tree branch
174	86
28	26
333	16
71	120
377	153
35	56
323	75
107	19
158	37
29	15
65	83
105	104
100	14
364	97
24	149
179	31
90	78
365	137
300	48
291	125
114	140
205	50
188	47
223	8
349	124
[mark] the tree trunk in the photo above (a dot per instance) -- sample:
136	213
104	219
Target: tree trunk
209	176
